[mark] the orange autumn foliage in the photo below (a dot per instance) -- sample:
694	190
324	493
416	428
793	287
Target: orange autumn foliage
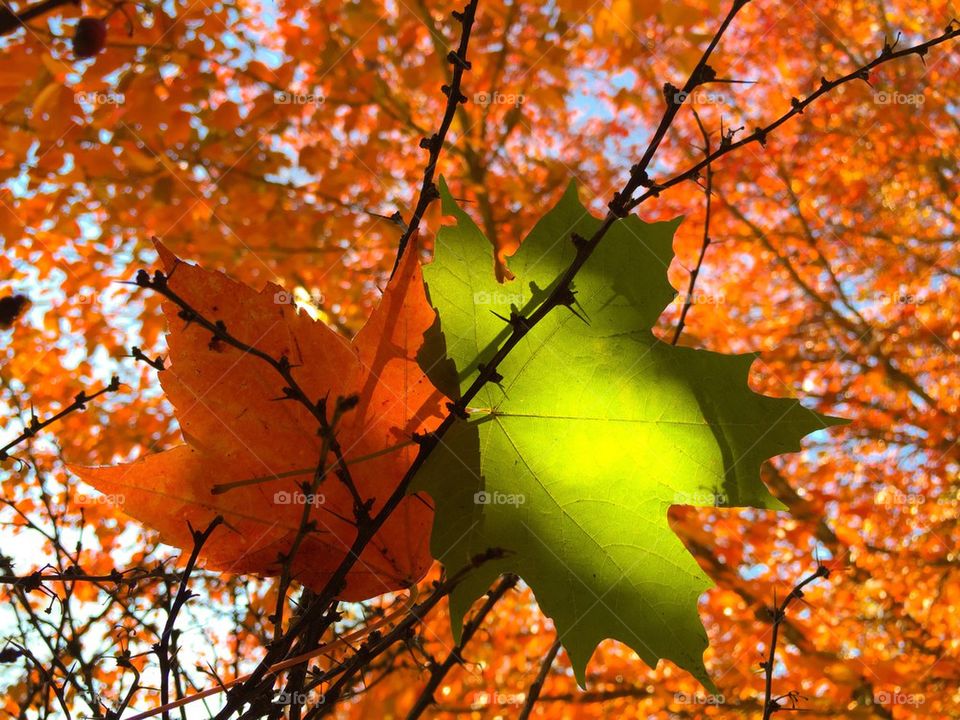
834	256
236	420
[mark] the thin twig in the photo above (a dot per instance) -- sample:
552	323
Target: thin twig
11	21
533	693
772	704
79	403
183	594
134	576
408	614
455	656
797	106
695	273
434	144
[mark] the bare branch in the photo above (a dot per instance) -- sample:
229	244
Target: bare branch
534	692
773	704
428	190
79	403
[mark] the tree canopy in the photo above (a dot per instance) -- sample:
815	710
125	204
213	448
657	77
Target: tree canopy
786	245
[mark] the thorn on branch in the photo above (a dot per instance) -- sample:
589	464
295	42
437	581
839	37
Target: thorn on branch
31	582
672	94
430	143
518	321
288	394
703	75
457	411
726	140
888	47
618	206
158	363
157	282
455	59
422	439
459	97
345	404
579	242
187	315
566	297
640	176
494	376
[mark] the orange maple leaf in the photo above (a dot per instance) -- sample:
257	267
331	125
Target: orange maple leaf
237	428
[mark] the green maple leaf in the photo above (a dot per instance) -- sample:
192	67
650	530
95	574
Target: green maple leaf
571	463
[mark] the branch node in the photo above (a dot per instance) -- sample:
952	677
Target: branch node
494	376
458	411
430	143
455	59
424	439
703	75
618	206
459	97
672	94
